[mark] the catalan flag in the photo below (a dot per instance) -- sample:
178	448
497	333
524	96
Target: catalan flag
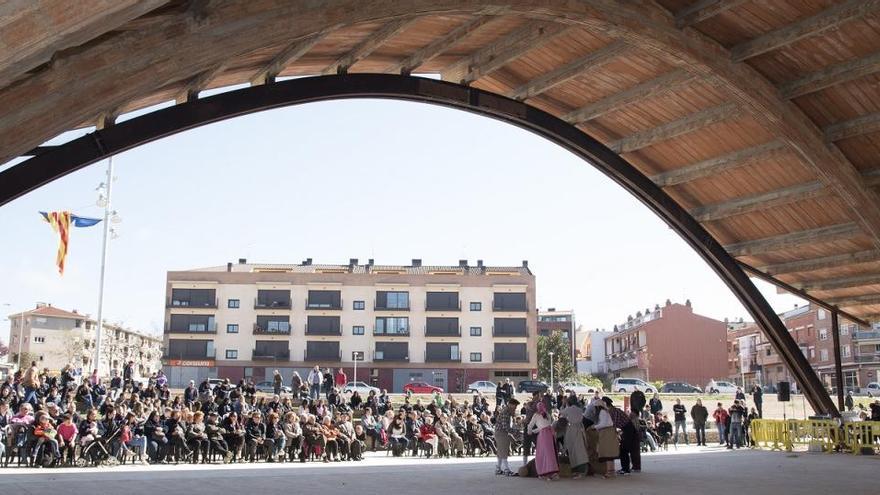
60	222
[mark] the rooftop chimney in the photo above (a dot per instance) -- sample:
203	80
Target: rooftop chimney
551	309
352	262
370	262
229	266
242	261
480	263
307	262
525	263
416	262
41	305
463	263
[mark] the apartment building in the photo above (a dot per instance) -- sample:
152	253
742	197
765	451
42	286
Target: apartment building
810	327
671	343
562	322
55	337
444	325
591	353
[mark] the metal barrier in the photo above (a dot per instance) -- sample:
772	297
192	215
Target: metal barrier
824	434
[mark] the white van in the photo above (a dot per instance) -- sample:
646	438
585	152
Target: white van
630	385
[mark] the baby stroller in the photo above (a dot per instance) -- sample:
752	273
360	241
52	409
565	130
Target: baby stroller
98	452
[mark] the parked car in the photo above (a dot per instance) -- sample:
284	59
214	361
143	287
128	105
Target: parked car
531	386
630	385
720	387
578	388
872	389
421	388
361	388
214	382
679	388
269	388
482	386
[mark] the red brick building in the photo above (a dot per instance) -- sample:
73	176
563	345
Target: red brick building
671	343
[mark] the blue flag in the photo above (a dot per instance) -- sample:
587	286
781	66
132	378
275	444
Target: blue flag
76	220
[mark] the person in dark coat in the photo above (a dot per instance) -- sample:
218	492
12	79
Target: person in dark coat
758	399
699	415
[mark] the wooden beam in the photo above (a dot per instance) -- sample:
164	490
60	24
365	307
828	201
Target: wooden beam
858	126
759	202
290	54
685	125
368	45
503	51
720	164
197	83
794	240
437	47
841	283
702	10
823	263
850	301
872	178
831	76
568	71
639	92
830	18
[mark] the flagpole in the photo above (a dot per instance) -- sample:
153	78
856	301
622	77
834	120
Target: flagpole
104	247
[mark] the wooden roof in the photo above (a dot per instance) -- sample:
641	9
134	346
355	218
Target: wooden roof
761	118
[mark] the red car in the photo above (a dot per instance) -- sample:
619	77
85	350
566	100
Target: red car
420	388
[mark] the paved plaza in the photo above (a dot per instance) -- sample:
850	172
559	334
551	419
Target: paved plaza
682	471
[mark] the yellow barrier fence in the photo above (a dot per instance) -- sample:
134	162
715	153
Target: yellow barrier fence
824	434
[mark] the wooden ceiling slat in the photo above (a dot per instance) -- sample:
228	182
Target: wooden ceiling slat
290	54
794	239
676	128
369	45
196	84
704	9
852	301
825	262
854	127
831	76
569	71
720	164
759	202
841	283
811	26
641	91
440	45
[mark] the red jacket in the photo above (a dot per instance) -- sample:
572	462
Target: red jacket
426	432
340	379
720	416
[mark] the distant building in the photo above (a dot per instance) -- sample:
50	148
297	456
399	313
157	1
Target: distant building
54	338
444	325
671	343
591	352
559	321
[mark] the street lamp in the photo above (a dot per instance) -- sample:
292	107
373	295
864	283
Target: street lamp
551	371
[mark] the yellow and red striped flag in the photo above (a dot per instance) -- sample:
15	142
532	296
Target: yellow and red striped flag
60	222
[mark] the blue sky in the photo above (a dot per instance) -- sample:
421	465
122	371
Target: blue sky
357	179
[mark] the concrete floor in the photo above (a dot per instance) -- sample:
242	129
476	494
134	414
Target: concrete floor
687	470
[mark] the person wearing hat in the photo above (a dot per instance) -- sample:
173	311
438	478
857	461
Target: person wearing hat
504	429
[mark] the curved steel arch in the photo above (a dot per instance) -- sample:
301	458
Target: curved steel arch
74	155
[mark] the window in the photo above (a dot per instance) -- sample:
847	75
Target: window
358	305
820	314
845	351
392	300
233	304
392	326
812	352
357	330
232	328
823	354
39	340
476	357
476	306
823	334
844	329
476	332
231	354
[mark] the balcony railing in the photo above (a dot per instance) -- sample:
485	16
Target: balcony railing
182	303
393	333
326	306
510	359
166	354
510	333
323	331
442	359
288	304
510	309
453	332
376	307
443	308
270	355
622	364
323	357
209	329
282	329
379	356
870	358
866	335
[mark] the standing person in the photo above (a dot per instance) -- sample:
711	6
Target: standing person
699	414
720	415
541	425
128	374
340	379
528	411
740	396
737	414
276	382
758	399
508	389
31	382
296	383
327	383
680	421
575	439
315	379
849	403
630	452
499	395
608	447
504	428
656	406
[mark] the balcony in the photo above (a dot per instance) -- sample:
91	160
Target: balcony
444	359
390	333
323	357
323	331
207	329
386	308
444	307
443	332
167	354
866	336
622	363
183	303
510	309
288	304
510	359
270	355
327	306
381	357
870	358
510	332
280	328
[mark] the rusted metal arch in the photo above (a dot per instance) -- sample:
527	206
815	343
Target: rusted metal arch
57	162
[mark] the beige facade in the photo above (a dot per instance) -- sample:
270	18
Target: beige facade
486	319
54	338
